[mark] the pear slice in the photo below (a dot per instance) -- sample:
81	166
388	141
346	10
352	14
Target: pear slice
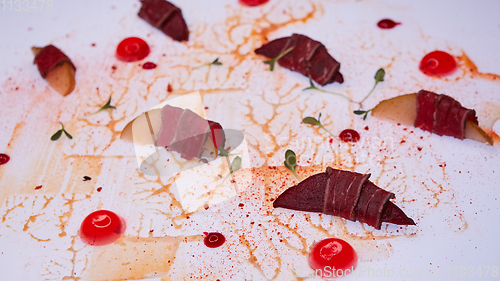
61	78
403	110
474	132
154	116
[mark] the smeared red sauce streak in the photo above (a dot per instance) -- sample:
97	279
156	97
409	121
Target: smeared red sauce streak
471	67
4	158
387	24
349	135
149	65
438	63
213	239
101	228
253	3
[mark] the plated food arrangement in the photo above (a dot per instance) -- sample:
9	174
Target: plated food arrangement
214	104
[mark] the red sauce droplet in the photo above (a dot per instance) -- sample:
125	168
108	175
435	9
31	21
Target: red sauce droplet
387	24
349	135
4	158
132	49
101	228
333	257
438	63
149	65
214	239
253	3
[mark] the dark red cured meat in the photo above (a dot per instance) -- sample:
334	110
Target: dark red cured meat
50	57
186	132
442	115
166	17
346	194
308	57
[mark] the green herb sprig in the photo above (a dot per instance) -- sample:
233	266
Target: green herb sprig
316	122
104	107
235	166
215	62
273	61
313	87
362	112
291	162
58	134
379	77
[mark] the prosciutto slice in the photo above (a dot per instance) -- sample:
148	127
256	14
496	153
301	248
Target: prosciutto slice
345	194
442	115
186	132
166	17
49	58
308	57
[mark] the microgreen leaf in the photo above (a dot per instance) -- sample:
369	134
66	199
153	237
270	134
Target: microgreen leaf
223	152
104	107
215	62
313	87
68	135
273	61
311	121
58	134
362	112
107	105
316	122
235	165
291	162
379	77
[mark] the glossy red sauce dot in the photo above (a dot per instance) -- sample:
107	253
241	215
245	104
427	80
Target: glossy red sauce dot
438	63
253	3
101	228
349	135
4	158
213	239
149	65
333	257
132	49
387	24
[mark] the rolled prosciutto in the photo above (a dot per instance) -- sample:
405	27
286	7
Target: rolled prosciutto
187	133
345	194
442	115
166	17
307	56
48	58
